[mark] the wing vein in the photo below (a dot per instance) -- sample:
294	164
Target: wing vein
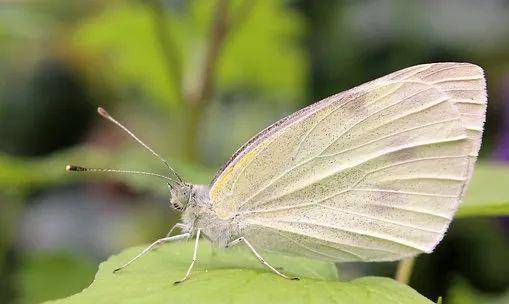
471	78
446	68
316	250
299	147
378	111
349	189
364	161
468	101
404	192
449	178
303	205
390	135
414	160
379	219
463	90
273	180
374	236
410	76
282	229
412	210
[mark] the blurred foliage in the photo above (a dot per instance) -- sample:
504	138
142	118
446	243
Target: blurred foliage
55	98
42	277
261	53
21	176
473	248
487	194
158	51
464	293
352	42
10	213
228	277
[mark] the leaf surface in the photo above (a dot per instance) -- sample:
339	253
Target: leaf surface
488	193
231	277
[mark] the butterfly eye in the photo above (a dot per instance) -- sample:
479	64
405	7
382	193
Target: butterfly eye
176	206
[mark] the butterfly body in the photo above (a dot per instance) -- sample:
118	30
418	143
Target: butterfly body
198	213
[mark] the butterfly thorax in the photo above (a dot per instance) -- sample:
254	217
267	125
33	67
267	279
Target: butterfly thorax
198	213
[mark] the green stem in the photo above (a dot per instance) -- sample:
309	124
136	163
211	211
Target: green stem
171	55
404	270
198	101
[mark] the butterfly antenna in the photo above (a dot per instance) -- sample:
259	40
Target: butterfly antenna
73	168
106	115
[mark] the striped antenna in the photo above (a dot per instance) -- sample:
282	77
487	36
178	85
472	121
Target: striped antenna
74	168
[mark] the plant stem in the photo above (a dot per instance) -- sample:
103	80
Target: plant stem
199	99
218	34
172	58
404	270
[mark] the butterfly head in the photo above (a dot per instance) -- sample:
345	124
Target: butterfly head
180	195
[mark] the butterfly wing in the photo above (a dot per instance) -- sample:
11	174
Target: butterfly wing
371	174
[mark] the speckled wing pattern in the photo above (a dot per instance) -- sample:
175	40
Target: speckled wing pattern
374	173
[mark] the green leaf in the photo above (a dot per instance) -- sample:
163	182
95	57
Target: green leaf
487	194
232	276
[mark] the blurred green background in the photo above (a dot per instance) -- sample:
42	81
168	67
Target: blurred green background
196	79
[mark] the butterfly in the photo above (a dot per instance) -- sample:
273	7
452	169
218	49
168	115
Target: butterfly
374	173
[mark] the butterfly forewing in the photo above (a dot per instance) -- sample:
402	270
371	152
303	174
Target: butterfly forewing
374	173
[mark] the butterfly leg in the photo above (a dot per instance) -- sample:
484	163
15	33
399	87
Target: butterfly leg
152	246
259	257
196	242
176	226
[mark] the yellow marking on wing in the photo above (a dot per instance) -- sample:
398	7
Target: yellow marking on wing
224	177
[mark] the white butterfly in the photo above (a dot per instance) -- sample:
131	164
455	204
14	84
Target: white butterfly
374	173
